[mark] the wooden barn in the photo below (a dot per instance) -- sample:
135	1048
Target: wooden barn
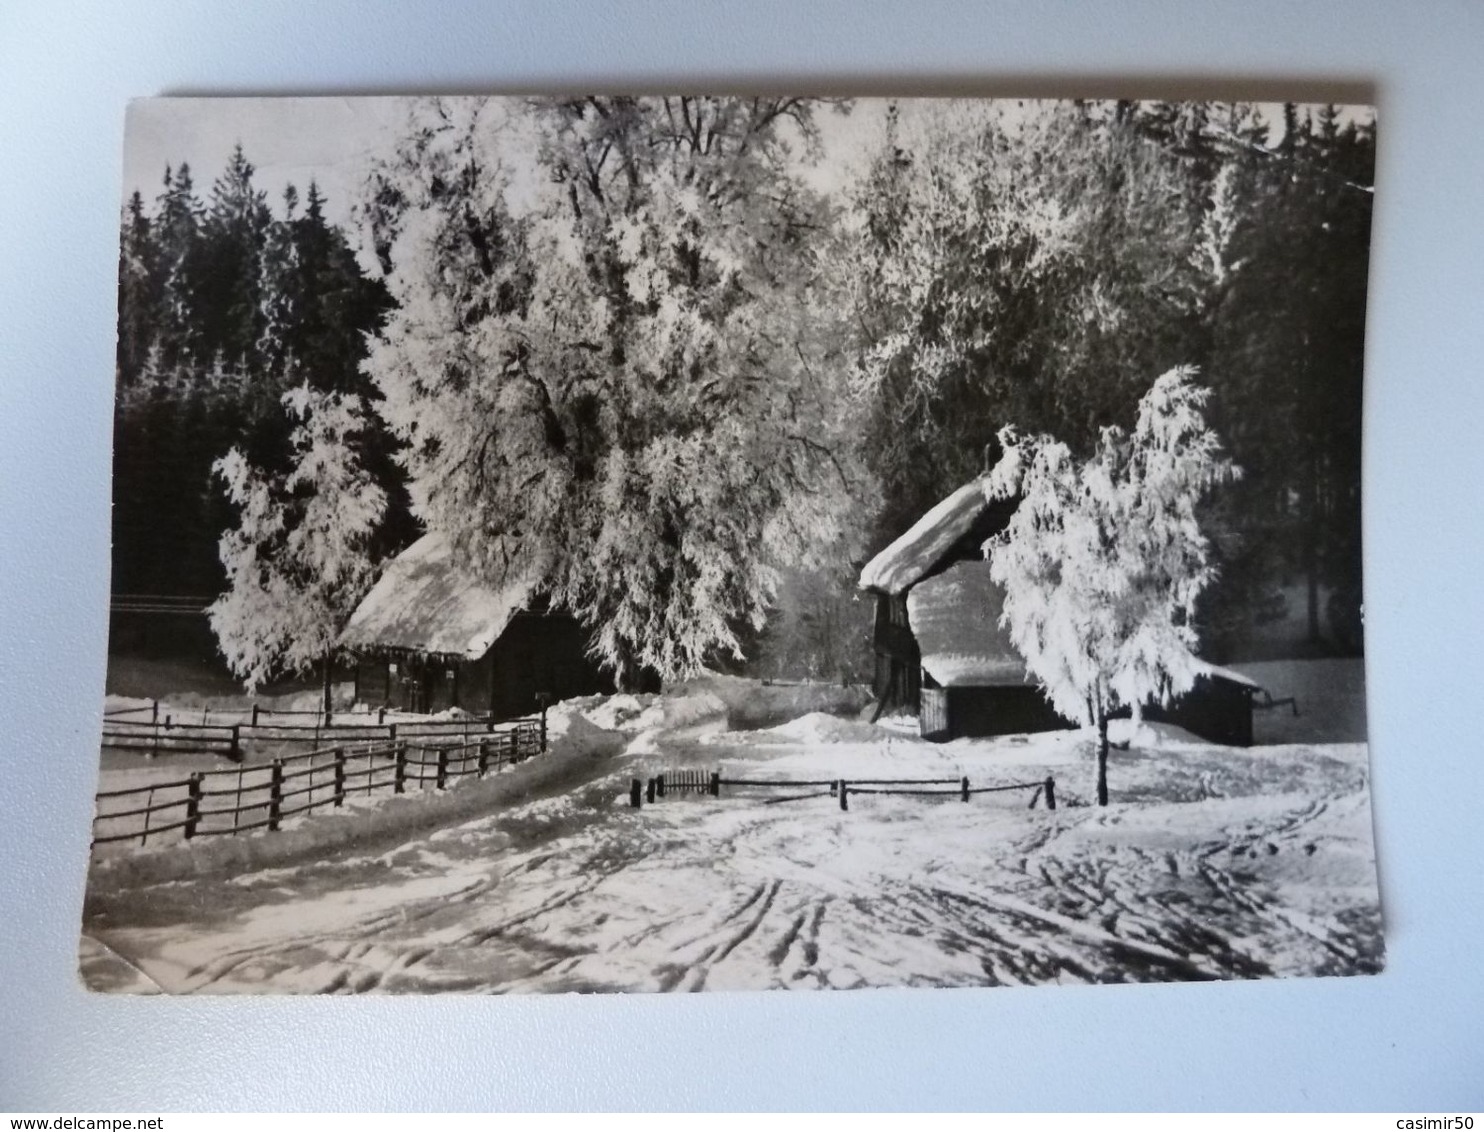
941	653
429	637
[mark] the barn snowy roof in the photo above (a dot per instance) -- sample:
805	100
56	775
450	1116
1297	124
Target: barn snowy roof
427	602
911	556
955	617
1216	672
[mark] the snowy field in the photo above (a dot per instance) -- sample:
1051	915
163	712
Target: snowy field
1212	862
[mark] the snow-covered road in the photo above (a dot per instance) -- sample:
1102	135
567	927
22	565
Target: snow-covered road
1213	863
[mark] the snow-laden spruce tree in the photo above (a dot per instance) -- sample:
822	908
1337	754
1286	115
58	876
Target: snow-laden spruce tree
1104	559
300	556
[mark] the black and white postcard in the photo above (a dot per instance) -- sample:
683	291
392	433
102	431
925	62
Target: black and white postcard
735	543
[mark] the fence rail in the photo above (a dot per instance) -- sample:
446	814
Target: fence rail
256	714
240	799
693	781
231	740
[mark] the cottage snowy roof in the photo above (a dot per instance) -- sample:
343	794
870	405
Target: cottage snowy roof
913	555
428	602
955	617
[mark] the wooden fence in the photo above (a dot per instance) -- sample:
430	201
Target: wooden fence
692	781
245	798
168	735
254	714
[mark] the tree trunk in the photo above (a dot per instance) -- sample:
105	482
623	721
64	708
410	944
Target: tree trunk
1102	758
328	673
1313	602
1311	549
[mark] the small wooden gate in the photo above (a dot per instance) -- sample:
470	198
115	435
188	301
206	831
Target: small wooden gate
687	782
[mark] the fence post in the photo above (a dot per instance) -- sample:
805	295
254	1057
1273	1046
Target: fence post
154	712
716	784
484	756
964	788
659	785
255	713
399	770
1050	792
236	755
328	719
649	791
635	790
543	698
844	795
149	809
193	805
275	795
339	753
442	767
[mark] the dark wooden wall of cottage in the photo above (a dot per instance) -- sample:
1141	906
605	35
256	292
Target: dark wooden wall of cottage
898	661
537	653
373	682
413	683
1218	711
983	712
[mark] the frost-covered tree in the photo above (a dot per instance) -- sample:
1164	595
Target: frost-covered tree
299	558
606	365
1103	559
1012	262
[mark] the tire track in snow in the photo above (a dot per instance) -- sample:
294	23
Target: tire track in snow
699	969
746	933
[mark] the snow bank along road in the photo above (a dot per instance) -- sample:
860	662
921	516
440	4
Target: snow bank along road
1212	863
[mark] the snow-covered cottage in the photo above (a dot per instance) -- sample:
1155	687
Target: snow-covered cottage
430	636
940	650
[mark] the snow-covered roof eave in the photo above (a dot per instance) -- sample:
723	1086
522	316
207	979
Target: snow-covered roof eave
960	670
1216	671
908	558
427	603
393	651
